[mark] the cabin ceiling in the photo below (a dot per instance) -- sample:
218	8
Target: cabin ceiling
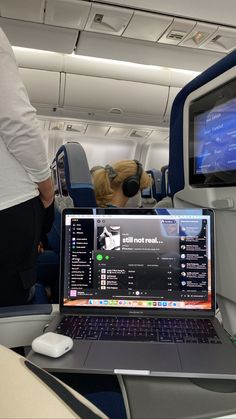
183	35
144	31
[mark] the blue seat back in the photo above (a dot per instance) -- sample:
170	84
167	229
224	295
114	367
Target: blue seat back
74	177
73	185
156	186
176	166
221	198
164	188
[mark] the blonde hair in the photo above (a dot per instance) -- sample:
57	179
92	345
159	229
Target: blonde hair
107	180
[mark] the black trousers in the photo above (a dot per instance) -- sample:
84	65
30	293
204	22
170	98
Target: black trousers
20	230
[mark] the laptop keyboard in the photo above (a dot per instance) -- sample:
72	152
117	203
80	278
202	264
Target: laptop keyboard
136	329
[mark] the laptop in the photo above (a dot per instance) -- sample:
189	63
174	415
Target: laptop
137	294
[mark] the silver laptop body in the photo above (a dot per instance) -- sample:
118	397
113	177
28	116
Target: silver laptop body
142	266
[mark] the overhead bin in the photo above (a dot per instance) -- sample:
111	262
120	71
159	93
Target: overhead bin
42	86
179	78
40	60
67	13
99	89
39	36
91	66
31	10
172	93
143	52
103	94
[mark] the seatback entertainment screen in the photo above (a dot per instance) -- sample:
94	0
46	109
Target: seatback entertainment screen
212	138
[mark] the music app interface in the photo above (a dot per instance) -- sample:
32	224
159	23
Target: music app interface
144	260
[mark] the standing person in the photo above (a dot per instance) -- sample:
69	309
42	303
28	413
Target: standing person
25	183
115	184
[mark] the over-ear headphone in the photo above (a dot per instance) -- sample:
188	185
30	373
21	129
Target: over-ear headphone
131	185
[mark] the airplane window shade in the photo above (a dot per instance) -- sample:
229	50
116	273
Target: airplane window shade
212	138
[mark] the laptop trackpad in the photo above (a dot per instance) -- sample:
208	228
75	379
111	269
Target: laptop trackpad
133	356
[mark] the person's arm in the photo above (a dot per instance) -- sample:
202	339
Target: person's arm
20	130
46	192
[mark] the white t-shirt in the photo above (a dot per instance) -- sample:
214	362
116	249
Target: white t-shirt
23	155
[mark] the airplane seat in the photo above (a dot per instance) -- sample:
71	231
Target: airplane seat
72	183
150	196
166	200
53	235
148	203
156	185
176	155
73	187
164	172
27	391
73	175
202	165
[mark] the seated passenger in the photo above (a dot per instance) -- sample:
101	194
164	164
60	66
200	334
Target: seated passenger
115	184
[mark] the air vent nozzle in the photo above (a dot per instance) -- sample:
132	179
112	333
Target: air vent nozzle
98	18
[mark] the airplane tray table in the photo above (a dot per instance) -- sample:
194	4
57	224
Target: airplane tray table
180	398
159	397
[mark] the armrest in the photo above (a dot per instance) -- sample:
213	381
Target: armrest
19	325
25	310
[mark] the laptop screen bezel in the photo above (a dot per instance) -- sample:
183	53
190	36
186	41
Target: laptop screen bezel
96	310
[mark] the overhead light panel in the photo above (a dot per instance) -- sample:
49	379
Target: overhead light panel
147	26
75	127
177	31
118	132
137	133
223	40
107	19
200	33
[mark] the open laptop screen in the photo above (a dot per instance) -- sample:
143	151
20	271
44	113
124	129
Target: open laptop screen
136	258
